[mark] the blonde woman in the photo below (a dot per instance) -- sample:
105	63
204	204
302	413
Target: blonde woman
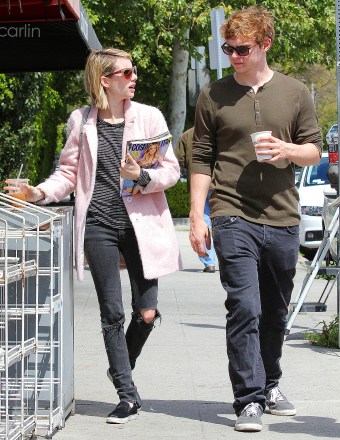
106	224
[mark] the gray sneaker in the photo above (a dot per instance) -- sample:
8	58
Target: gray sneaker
249	419
278	404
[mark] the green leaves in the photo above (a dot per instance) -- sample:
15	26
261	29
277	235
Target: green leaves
31	107
34	105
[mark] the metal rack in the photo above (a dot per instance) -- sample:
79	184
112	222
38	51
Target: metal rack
315	269
31	320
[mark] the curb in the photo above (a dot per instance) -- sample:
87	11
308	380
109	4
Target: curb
181	224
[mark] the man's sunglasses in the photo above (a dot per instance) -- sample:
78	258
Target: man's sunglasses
127	72
242	51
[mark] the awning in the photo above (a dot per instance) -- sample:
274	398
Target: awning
44	35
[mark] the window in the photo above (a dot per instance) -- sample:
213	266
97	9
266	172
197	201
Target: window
317	174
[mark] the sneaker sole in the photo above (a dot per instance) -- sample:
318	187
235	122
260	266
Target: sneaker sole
251	427
286	412
115	421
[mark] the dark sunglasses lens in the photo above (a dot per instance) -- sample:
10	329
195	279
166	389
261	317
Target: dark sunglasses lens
242	50
127	73
227	50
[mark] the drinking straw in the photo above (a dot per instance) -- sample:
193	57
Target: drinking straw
19	174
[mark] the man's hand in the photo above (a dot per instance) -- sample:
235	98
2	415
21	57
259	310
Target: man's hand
199	235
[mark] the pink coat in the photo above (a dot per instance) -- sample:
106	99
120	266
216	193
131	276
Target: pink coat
148	210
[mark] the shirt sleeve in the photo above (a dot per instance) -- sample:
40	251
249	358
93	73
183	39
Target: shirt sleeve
307	130
204	142
144	178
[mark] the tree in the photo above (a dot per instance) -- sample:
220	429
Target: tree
33	108
322	83
162	35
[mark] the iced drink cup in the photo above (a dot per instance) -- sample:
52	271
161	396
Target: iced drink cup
256	138
16	192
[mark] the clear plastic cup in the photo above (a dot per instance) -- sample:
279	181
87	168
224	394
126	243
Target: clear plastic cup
16	191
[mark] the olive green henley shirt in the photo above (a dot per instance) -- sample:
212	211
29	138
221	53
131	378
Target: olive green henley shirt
226	114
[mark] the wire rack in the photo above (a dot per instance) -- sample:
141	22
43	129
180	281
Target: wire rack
31	315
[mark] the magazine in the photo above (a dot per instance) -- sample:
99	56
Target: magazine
148	153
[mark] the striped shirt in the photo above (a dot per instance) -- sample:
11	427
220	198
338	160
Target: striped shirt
106	205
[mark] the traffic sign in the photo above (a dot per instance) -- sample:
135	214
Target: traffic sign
217	58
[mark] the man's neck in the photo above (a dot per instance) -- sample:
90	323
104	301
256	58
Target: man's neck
256	80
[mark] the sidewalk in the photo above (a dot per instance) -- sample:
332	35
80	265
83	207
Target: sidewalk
182	374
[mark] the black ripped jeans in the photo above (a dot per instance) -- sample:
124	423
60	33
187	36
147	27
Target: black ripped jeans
102	247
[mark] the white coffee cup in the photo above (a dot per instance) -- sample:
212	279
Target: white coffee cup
256	138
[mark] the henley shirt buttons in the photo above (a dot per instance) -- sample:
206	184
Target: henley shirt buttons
129	199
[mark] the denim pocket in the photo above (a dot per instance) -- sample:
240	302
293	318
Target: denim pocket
222	221
293	230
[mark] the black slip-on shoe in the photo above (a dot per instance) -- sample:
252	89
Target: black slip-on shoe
123	413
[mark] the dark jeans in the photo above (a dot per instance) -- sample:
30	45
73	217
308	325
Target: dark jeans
102	247
257	266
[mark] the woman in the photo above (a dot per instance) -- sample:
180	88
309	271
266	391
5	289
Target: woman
139	227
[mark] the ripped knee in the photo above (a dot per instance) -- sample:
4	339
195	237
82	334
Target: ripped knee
116	326
149	316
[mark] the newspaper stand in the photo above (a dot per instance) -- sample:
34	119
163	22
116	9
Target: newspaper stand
31	315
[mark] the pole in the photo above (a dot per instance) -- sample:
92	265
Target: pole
337	18
199	66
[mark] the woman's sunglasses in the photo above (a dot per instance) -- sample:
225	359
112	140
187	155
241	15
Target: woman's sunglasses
242	51
127	72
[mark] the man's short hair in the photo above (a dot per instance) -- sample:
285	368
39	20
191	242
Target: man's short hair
253	23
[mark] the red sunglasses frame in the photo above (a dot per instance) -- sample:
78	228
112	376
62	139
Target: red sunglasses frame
128	75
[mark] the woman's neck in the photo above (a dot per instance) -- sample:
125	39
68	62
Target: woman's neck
114	114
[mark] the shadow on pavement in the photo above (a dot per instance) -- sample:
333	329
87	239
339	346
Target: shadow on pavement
206	411
323	427
189	324
218	413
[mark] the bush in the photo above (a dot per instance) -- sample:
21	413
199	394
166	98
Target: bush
178	200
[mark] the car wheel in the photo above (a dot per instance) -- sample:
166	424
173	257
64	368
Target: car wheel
309	254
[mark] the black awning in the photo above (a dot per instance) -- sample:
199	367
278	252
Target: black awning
48	45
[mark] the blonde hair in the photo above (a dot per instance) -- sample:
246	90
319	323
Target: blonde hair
253	23
100	63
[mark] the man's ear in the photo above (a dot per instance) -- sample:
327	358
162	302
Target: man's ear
267	44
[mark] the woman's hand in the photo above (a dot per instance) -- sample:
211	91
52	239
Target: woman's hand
33	194
129	168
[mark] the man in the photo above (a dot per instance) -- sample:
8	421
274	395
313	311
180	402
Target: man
254	204
183	153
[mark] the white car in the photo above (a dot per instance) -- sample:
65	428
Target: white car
332	134
311	185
